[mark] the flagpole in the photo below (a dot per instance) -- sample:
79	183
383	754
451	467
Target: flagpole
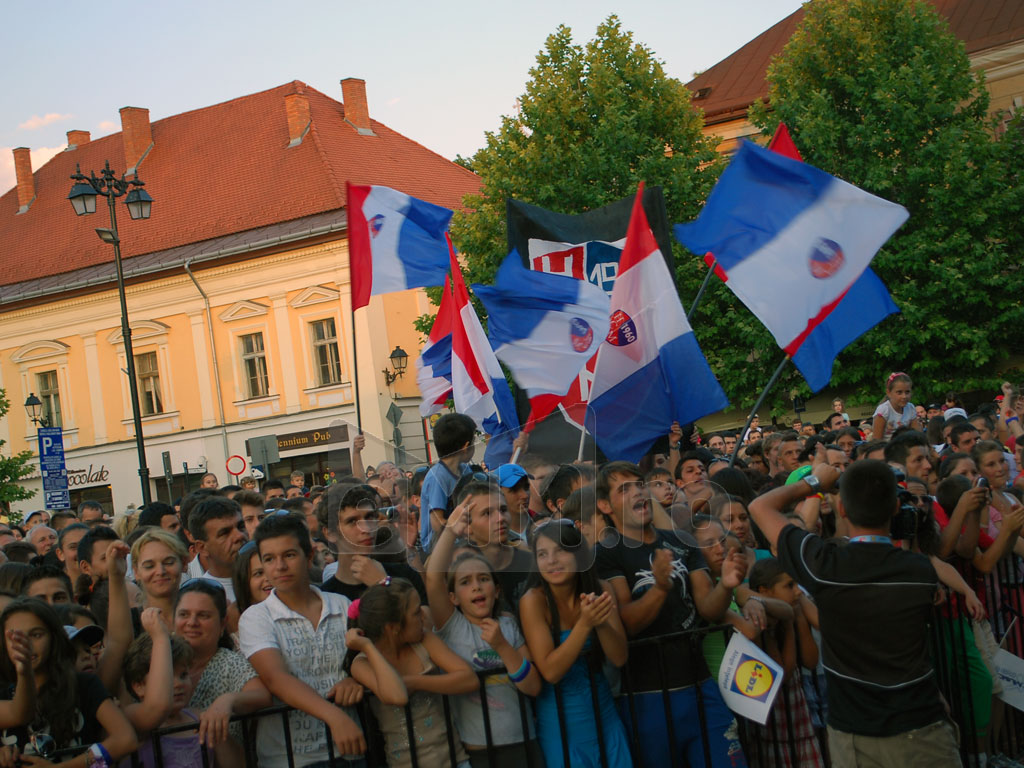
583	438
355	374
753	411
700	291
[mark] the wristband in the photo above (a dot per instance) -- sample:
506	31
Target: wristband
99	757
385	582
521	674
673	446
1012	418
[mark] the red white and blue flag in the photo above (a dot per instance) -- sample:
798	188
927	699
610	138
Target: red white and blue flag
395	242
544	327
790	240
479	388
434	374
650	369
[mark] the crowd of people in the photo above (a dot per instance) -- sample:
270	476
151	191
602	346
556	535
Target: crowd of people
538	613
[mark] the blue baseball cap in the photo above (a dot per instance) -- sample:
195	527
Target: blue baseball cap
512	474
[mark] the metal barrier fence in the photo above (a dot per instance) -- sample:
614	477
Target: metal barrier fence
959	665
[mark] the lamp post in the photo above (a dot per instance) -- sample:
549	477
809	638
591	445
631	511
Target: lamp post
399	360
83	200
32	406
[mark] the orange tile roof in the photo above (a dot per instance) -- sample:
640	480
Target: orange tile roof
739	79
216	171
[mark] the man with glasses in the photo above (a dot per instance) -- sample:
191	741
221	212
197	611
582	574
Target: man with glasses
662	586
353	520
217	529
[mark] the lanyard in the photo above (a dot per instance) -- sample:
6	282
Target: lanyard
871	539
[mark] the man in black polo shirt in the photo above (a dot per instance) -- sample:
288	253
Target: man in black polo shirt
352	523
662	586
874	603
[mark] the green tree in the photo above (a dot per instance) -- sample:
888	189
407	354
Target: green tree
881	94
594	121
13	468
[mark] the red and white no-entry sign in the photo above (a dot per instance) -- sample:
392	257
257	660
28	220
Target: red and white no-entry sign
236	465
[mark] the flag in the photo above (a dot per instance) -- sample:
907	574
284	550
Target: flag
586	246
395	242
479	388
434	374
650	370
544	327
790	238
865	305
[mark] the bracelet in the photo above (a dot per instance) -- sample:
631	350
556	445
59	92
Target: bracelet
1012	418
521	674
99	757
674	447
385	582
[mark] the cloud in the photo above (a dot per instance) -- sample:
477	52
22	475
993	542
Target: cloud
107	125
39	156
36	121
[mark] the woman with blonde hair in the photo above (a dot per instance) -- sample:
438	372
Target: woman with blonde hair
158	560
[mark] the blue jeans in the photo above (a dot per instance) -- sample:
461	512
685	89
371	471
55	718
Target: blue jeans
652	736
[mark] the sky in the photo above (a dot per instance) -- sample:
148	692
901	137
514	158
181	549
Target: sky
441	73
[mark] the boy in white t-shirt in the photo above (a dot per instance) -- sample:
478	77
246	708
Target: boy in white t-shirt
295	640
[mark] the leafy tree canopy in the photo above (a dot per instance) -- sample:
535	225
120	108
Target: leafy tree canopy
881	94
12	468
594	121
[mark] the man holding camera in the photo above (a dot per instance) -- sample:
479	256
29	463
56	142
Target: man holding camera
874	601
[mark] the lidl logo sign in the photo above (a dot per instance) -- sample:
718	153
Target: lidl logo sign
752	679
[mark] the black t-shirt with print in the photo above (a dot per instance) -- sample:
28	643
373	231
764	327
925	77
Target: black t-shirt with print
681	662
513	577
394	570
87	730
874	603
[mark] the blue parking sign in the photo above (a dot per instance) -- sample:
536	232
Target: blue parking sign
53	469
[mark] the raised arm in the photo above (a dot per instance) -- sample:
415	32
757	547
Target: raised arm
119	620
21	708
767	509
436	577
638	614
155	706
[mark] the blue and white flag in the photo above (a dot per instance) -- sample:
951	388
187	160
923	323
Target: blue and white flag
395	242
544	327
790	238
650	369
434	374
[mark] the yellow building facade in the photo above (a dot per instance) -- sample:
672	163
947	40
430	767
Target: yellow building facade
244	335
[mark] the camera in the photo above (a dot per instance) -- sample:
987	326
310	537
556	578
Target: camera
907	520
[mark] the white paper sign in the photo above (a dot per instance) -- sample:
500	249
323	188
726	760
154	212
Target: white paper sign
749	679
1010	669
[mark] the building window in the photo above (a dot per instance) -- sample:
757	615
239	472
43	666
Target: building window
49	393
255	361
149	384
325	352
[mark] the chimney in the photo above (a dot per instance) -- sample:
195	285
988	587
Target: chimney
23	172
296	107
137	136
77	139
353	94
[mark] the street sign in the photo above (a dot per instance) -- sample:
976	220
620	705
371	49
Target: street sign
263	450
235	465
168	472
53	469
394	414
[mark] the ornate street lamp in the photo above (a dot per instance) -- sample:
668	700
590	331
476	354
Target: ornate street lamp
83	199
399	360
